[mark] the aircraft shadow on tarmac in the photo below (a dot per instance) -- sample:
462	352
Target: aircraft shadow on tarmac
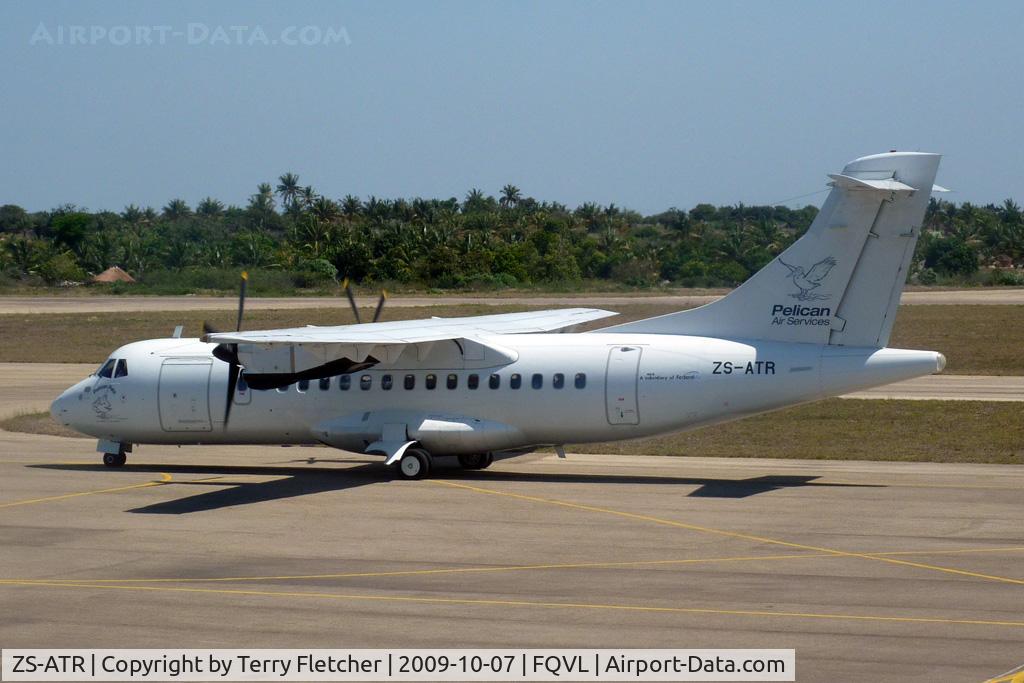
294	481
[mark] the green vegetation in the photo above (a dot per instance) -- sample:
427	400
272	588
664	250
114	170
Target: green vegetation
858	430
296	239
916	431
977	340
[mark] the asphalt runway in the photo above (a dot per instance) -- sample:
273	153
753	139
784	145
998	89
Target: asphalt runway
871	571
114	304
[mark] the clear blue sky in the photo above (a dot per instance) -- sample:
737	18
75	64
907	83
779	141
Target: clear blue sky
648	105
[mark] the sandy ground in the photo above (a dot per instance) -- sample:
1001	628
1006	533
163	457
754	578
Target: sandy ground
93	304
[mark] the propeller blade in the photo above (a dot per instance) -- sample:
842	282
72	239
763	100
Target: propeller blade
241	300
209	329
351	299
233	371
380	305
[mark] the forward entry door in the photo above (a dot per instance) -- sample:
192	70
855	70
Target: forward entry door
621	385
185	395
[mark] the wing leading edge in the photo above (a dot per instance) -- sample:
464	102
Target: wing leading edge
276	358
417	331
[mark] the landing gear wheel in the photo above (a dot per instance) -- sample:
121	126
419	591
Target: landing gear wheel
115	459
488	459
415	464
473	461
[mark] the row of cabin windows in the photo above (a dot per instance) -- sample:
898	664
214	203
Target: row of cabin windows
114	367
387	382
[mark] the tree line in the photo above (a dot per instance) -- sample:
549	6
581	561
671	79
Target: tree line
296	237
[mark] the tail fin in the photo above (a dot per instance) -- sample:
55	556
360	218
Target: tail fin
838	284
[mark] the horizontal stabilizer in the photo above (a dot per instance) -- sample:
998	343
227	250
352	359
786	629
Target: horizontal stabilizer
882	185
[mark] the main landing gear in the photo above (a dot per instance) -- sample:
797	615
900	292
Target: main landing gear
416	463
476	461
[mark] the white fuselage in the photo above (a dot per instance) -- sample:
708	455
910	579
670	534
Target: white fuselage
613	386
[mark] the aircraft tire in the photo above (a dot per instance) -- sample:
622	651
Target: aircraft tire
415	464
487	461
114	459
473	461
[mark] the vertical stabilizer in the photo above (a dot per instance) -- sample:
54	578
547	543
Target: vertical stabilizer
841	282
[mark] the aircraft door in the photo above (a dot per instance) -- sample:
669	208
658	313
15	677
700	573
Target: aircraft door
184	395
621	381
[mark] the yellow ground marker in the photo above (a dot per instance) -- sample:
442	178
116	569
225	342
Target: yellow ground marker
507	568
539	604
165	479
726	532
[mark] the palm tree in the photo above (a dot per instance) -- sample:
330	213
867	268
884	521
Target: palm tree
308	195
510	196
176	209
475	201
324	209
350	205
132	214
210	207
288	188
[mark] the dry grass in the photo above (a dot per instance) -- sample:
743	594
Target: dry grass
837	429
981	340
851	429
36	423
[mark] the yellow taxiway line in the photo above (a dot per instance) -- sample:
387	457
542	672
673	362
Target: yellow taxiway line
165	478
537	604
726	532
505	568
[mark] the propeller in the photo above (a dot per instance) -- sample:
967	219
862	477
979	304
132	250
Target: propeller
347	286
351	300
380	305
229	352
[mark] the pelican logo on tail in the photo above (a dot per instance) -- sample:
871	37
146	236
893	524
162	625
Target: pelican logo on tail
809	280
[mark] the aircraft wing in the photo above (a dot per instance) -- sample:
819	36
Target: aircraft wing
417	331
276	358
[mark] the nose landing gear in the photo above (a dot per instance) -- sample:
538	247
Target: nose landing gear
115	453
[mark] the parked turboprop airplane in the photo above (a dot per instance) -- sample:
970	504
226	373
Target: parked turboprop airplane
811	324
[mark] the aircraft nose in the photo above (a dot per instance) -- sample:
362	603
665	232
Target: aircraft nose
59	408
65	408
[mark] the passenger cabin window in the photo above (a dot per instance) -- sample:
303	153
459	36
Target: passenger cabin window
515	381
107	369
453	381
365	382
344	382
494	381
580	380
409	382
431	382
303	385
385	382
325	383
537	381
473	381
122	368
558	380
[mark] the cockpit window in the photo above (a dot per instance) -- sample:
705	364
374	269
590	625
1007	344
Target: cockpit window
122	368
107	369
